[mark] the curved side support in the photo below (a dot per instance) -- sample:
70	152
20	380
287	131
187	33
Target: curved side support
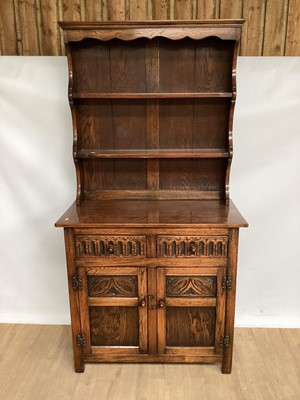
74	123
230	124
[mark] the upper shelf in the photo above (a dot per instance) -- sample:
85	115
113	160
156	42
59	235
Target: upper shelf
190	95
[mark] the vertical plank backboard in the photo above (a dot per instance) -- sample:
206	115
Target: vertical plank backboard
116	10
208	9
184	9
138	10
275	28
160	9
49	32
28	14
230	8
8	33
94	10
29	27
253	30
292	45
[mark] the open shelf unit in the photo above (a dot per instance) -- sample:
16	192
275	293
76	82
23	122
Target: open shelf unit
138	106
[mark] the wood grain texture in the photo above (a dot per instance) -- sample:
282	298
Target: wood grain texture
139	213
230	299
114	326
209	9
74	300
275	28
138	10
50	35
122	285
190	326
8	31
272	371
253	30
116	10
28	27
160	9
184	9
292	45
190	286
230	8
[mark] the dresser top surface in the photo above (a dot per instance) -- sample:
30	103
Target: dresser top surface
153	214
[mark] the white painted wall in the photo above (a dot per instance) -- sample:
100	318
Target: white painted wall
37	184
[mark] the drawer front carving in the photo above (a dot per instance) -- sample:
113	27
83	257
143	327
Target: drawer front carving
110	246
192	246
191	286
112	286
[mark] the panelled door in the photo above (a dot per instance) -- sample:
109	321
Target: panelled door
191	310
113	310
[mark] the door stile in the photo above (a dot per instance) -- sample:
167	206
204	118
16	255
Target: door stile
161	311
142	306
84	309
220	310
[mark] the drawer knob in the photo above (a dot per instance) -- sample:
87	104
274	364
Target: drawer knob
161	304
193	249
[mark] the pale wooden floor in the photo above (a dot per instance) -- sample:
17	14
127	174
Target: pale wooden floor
36	364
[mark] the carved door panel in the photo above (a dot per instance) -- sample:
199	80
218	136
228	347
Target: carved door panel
113	310
191	310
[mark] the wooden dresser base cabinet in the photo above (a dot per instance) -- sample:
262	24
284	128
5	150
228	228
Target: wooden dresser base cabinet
152	238
147	297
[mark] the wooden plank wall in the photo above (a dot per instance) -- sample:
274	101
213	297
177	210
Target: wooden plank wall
28	27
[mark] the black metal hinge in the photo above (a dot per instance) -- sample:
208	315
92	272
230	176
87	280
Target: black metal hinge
76	283
80	340
227	283
225	341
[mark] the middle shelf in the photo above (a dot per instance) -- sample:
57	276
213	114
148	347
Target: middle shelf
148	95
152	153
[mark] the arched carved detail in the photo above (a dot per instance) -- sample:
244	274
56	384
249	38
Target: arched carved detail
112	286
110	246
190	286
192	246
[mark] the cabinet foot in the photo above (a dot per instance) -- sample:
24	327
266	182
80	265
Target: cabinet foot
79	367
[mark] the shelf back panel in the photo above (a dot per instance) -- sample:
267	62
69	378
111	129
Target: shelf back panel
113	174
118	124
113	66
195	65
111	124
194	123
116	66
191	174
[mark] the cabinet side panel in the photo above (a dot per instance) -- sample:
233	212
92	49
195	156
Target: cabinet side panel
74	300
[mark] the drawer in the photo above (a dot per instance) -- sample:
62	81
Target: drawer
192	246
110	246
